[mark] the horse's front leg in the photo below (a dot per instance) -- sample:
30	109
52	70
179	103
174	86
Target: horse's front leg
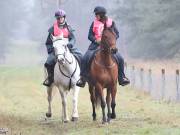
75	115
49	98
113	102
108	102
99	89
103	106
92	97
63	94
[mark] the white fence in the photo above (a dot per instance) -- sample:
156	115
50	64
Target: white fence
159	85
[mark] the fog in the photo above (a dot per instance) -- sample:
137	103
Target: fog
24	27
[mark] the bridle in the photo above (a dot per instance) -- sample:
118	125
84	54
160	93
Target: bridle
68	62
105	44
106	48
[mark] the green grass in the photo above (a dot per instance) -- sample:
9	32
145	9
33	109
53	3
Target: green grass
23	104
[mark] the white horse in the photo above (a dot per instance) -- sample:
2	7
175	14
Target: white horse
66	74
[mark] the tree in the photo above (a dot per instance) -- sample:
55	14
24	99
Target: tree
153	27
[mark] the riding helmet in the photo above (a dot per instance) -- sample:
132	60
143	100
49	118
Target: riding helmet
60	13
99	10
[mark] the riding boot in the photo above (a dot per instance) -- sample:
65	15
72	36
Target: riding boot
81	82
85	67
50	79
123	80
84	64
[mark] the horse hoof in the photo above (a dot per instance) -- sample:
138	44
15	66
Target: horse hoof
104	120
108	120
113	116
94	119
66	121
74	119
48	115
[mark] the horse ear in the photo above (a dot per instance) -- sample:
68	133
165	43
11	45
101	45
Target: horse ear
66	47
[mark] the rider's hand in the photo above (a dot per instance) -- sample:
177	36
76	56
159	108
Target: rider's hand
114	50
98	41
69	46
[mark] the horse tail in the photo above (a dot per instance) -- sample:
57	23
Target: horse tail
95	98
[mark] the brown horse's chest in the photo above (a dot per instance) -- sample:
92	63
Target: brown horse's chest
105	75
104	71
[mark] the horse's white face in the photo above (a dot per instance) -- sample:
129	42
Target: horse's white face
60	47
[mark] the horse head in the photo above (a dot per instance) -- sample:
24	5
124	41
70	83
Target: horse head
60	48
108	40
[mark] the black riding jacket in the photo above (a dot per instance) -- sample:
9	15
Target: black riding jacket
49	42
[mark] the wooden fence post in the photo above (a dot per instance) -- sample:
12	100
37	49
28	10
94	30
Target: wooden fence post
149	80
142	77
133	76
177	85
163	85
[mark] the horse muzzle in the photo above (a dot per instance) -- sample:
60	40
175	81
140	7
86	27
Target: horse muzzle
61	61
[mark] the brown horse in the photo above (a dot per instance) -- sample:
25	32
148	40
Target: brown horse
104	74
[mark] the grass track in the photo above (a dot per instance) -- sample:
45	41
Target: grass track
23	103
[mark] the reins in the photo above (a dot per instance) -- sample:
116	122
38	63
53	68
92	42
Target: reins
70	77
102	65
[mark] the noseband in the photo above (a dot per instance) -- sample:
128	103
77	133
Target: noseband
69	62
105	46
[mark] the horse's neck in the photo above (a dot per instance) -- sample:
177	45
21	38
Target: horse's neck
69	56
106	57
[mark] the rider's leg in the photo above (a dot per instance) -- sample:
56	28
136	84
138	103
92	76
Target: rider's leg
77	54
85	66
123	80
49	65
81	82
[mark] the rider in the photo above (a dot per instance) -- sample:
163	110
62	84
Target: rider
59	27
94	36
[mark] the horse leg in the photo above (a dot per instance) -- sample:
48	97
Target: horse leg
113	103
103	105
49	98
103	102
92	97
108	98
75	103
63	94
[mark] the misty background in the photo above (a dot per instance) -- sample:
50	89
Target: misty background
148	29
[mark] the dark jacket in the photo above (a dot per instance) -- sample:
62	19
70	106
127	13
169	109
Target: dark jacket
92	38
49	42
